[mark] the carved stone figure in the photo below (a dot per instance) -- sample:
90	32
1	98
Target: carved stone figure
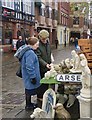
68	63
38	114
49	100
63	67
66	66
86	91
86	83
61	112
75	62
51	73
47	111
58	68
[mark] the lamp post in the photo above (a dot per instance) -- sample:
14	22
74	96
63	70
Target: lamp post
65	37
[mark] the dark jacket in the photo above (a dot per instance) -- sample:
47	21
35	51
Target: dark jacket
44	56
19	44
56	41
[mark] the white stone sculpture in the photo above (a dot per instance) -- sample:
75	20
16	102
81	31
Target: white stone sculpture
64	66
61	112
51	73
75	62
68	63
86	76
58	68
86	83
49	100
38	114
47	111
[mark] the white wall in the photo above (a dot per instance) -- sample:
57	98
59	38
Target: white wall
61	34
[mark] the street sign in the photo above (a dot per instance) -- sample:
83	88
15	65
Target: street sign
69	77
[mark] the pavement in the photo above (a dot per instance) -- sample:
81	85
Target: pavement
12	97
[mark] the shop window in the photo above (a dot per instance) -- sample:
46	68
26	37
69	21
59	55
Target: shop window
10	4
4	3
76	20
20	16
54	14
48	12
42	10
27	6
8	37
23	7
17	15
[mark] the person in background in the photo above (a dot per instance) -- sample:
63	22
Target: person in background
18	33
71	41
56	43
76	42
20	42
44	56
30	70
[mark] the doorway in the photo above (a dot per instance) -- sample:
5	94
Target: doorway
75	34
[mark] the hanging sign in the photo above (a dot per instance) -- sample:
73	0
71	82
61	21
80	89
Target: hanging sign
69	77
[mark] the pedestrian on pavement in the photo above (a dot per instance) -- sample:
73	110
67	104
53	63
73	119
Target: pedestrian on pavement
76	42
30	69
56	43
20	42
44	56
71	41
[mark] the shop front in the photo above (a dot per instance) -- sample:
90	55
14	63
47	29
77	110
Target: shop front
14	25
7	33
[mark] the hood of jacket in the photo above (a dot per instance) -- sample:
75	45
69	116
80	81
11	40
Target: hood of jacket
20	52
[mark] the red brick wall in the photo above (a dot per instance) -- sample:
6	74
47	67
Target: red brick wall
70	22
81	22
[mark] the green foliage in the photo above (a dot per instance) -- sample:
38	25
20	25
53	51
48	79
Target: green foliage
79	7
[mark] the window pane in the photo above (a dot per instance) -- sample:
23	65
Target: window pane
76	20
4	3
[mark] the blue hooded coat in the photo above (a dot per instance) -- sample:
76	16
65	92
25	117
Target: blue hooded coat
29	66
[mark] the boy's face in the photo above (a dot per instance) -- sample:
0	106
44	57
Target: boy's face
44	40
36	45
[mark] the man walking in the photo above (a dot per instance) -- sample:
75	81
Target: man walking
56	43
20	42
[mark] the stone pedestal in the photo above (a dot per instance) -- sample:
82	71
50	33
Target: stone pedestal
85	107
86	93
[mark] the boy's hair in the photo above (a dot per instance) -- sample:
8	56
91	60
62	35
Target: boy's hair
32	40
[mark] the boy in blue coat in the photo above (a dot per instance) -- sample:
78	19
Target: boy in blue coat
30	69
